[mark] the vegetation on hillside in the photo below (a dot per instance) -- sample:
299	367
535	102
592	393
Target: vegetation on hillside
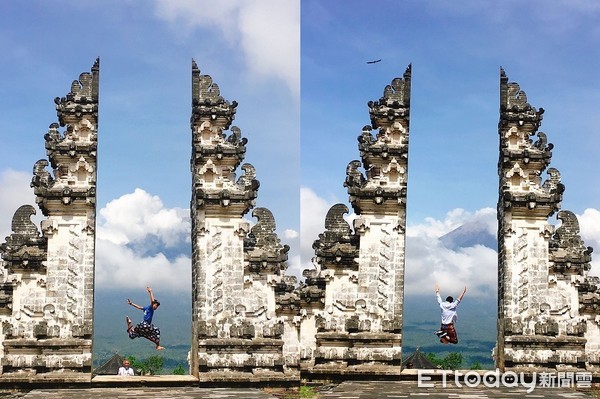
452	361
179	370
150	366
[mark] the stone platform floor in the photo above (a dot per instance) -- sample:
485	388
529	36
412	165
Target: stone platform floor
345	390
409	389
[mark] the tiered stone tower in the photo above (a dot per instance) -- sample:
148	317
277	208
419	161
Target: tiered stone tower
48	279
359	325
547	304
237	336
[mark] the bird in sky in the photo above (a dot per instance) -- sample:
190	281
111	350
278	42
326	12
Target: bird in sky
374	62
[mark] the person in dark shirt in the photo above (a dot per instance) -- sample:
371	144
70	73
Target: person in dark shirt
145	329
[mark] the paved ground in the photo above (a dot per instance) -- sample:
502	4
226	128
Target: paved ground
151	393
409	389
346	390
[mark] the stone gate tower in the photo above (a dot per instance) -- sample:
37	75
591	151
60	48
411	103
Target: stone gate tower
547	303
236	333
46	310
359	325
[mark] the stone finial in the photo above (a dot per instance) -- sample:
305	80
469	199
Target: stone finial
41	177
207	103
553	184
334	221
216	155
542	143
354	177
71	155
263	250
82	99
514	106
395	102
248	181
384	157
523	160
337	246
25	248
567	250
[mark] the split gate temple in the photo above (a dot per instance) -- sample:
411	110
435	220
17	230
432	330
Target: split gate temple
252	323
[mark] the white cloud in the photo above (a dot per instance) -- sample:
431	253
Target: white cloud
589	226
132	217
290	234
428	262
127	254
268	31
118	266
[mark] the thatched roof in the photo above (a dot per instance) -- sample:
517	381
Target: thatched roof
418	361
111	367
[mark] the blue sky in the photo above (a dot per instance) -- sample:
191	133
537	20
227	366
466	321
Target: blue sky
456	49
146	48
298	71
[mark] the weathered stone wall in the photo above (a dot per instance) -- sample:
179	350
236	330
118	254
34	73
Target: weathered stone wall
359	321
237	335
542	270
48	279
250	321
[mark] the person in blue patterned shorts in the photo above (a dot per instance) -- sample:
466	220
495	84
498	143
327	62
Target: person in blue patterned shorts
145	329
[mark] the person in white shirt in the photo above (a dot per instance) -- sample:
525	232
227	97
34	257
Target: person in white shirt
125	369
447	331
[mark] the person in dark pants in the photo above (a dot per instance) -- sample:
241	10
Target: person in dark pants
145	329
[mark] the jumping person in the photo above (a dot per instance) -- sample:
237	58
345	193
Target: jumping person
145	329
447	332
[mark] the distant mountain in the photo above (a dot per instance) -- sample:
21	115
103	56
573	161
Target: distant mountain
472	233
153	244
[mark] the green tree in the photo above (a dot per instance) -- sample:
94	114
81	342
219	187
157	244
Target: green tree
476	366
152	365
451	361
432	357
179	370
